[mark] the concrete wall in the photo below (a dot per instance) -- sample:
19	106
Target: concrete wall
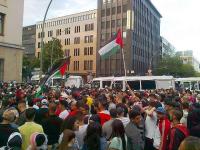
12	63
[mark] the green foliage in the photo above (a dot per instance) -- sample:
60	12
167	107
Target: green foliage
173	65
52	50
28	65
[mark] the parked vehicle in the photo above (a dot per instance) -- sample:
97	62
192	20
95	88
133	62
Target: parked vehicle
192	83
135	82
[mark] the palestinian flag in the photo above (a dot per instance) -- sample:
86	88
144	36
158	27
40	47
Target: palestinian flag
58	70
112	47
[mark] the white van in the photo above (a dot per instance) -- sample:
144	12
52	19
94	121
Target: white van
135	82
192	83
76	81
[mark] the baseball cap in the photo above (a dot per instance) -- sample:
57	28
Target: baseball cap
161	110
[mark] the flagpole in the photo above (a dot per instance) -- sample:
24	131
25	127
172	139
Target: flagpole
124	62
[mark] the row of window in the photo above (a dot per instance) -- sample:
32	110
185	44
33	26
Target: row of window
114	10
111	1
68	20
87	51
77	29
114	23
77	40
88	65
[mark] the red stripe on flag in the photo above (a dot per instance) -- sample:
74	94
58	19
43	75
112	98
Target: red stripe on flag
119	39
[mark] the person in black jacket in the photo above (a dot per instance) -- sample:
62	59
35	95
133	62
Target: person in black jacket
5	127
52	125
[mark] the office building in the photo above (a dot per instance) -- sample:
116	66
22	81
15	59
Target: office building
139	22
188	58
11	51
166	47
77	33
28	40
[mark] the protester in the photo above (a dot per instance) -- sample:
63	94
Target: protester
120	116
118	138
107	127
52	126
190	143
67	140
22	109
6	128
93	139
135	139
29	128
63	107
178	131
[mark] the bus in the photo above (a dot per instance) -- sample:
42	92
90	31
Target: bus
137	83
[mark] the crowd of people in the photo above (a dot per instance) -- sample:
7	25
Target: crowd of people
98	119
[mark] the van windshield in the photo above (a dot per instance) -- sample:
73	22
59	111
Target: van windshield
148	84
117	85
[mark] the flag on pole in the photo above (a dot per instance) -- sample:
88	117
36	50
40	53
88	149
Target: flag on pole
58	70
112	47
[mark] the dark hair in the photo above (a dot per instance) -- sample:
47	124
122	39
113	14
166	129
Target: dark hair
103	100
30	113
52	107
93	135
191	143
119	131
95	118
185	105
133	114
40	139
177	113
30	103
64	103
68	123
113	113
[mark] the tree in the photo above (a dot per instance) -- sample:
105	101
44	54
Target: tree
173	65
52	52
28	65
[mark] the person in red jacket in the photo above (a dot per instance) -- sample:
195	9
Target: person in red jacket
164	127
178	131
103	113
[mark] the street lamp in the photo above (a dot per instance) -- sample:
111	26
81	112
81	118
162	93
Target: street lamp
53	40
42	39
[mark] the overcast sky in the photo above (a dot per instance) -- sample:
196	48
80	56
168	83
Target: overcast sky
180	23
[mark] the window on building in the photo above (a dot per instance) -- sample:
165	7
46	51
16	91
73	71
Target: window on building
67	41
58	32
113	23
88	39
77	29
76	65
50	33
88	64
89	27
39	45
103	25
124	22
77	52
107	24
124	8
88	51
108	12
118	22
2	18
38	55
67	30
113	10
1	69
119	9
39	35
67	52
103	13
77	40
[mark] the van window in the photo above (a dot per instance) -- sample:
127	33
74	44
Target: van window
106	83
95	84
186	85
134	85
148	85
118	85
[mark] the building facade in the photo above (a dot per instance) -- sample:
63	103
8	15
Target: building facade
139	22
11	51
166	47
78	34
28	40
188	58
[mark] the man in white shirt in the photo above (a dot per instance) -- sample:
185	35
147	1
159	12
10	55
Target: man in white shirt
63	106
